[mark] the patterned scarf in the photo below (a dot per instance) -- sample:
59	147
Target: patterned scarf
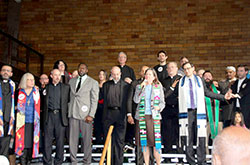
156	117
20	122
213	124
12	113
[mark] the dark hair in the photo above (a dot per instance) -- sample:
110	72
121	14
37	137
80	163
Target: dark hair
161	51
192	65
8	66
156	80
183	57
207	71
243	66
82	63
57	63
242	123
105	73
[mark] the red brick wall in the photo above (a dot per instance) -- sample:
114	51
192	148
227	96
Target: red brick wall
211	33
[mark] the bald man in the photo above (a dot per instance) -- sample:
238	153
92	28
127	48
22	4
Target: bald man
115	93
56	98
232	147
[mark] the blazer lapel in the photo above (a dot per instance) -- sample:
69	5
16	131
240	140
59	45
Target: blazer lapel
243	84
121	96
84	83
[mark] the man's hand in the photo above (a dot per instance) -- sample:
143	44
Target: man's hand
128	80
228	95
216	84
131	120
175	83
88	119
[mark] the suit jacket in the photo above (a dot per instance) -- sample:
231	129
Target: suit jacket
171	108
65	90
244	93
84	102
226	106
123	99
131	105
207	92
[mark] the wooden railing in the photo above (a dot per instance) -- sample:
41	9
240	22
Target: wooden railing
107	147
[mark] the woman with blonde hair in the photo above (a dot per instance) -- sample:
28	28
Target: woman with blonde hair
28	120
150	98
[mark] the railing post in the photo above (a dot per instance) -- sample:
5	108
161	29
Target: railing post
108	140
27	60
109	152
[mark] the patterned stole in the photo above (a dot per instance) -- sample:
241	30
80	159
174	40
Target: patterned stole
213	124
12	113
156	117
20	122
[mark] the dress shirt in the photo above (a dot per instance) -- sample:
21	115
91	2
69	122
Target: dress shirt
54	96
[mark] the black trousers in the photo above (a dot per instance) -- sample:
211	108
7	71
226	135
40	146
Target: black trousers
115	118
192	138
5	141
170	132
54	129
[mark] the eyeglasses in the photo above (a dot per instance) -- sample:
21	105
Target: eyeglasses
5	70
187	68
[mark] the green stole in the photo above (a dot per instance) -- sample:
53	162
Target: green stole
156	117
213	124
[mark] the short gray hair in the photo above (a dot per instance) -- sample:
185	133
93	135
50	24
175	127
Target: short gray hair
122	53
22	84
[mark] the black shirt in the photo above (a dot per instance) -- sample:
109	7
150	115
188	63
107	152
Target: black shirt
6	98
54	96
161	71
126	71
114	94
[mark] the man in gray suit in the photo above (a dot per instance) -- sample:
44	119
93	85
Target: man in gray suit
82	108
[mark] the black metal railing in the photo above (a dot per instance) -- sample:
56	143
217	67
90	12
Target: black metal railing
28	51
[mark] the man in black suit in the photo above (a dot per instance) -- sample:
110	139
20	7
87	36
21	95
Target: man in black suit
7	107
170	126
56	98
114	113
241	93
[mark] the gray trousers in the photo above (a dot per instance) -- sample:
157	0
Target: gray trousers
75	126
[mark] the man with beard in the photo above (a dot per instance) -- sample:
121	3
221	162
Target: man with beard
82	108
214	125
161	69
56	98
170	123
7	90
223	87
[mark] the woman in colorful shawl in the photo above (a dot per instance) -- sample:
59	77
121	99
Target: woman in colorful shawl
28	120
150	98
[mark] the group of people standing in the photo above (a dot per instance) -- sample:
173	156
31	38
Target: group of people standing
166	105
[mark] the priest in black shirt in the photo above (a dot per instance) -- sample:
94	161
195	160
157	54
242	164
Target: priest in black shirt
115	93
6	109
161	69
170	126
127	73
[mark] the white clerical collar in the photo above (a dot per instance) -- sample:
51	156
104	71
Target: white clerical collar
116	81
5	81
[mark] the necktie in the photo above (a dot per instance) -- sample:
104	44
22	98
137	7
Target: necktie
79	85
191	94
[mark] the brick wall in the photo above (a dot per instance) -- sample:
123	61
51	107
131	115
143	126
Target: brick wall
211	33
3	24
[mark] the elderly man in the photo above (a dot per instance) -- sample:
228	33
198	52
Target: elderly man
115	93
56	98
7	90
127	73
223	87
231	147
84	96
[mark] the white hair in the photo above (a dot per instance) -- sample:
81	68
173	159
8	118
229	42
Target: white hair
23	84
122	53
